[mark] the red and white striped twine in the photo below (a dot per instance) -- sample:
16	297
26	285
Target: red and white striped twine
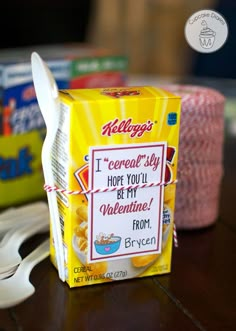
50	188
175	237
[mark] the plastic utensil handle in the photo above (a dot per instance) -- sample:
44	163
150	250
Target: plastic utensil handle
36	256
19	223
5	239
24	211
8	234
23	233
23	219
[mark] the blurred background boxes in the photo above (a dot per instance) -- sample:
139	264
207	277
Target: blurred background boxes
22	126
151	32
73	66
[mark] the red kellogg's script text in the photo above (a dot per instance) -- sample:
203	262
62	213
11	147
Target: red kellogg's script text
126	126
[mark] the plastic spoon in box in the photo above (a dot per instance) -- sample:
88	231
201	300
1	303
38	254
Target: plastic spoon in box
47	96
18	288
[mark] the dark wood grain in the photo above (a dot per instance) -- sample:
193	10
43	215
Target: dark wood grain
228	192
7	320
128	305
203	276
198	294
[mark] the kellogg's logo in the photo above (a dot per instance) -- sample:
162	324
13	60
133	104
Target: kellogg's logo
126	126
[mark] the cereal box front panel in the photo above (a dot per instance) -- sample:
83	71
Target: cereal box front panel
123	145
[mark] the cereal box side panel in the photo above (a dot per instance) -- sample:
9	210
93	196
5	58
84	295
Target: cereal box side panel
60	167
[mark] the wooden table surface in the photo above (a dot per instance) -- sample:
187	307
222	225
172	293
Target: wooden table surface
199	294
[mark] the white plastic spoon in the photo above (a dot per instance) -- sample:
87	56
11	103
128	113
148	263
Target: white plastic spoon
8	214
9	253
47	96
18	288
19	222
8	273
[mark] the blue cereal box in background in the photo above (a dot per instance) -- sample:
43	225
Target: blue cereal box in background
21	175
22	132
21	112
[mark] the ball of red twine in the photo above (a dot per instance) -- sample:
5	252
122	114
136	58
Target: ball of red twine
200	165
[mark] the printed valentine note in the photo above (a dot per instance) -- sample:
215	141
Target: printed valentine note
127	219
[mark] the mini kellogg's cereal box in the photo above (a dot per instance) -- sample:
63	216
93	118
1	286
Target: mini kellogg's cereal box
115	163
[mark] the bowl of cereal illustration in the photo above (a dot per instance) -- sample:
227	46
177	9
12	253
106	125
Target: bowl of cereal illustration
106	245
80	253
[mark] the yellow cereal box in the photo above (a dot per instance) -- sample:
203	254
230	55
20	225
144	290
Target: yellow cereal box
115	165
